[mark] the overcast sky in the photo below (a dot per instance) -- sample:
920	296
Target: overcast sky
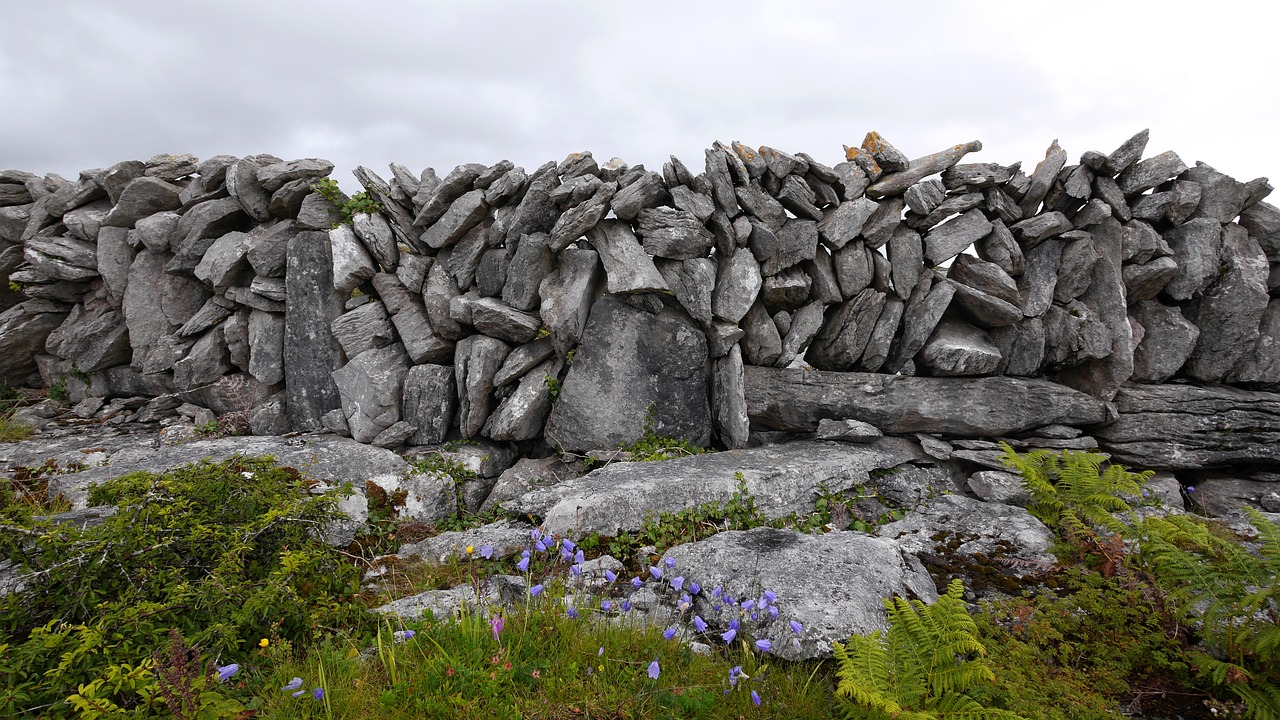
86	84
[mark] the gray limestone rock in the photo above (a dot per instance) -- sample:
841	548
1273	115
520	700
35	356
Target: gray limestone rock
364	328
1021	347
796	241
630	364
996	486
1168	341
692	281
906	254
883	222
822	272
1263	223
787	290
834	585
531	263
567	294
270	417
1038	285
928	301
1125	155
1075	272
923	197
695	203
897	181
463	214
477	360
287	201
207	361
1229	312
854	268
1261	364
957	348
1035	230
1042	178
880	343
1140	243
411	322
628	268
434	199
370	387
797	197
1000	248
311	353
114	256
376	234
91	339
985	291
142	197
647	192
505	188
1146	174
844	222
845	331
430	402
243	185
224	262
491	274
851	431
761	342
317	213
523	359
275	175
495	319
214	311
795	400
580	218
268	246
506	537
536	212
1145	281
672	233
199	227
351	263
782	478
987	529
1093	212
953	237
1074	335
737	285
1214	426
728	402
439	289
521	415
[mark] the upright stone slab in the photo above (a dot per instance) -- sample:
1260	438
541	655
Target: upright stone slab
311	352
628	362
430	401
370	387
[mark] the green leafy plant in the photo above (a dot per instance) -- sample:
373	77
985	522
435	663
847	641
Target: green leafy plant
924	667
361	202
1234	592
223	552
1072	493
58	391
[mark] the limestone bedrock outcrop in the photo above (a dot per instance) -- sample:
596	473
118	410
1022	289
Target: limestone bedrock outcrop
833	584
783	479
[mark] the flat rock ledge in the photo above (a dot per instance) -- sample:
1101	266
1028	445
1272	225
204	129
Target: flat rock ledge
784	479
833	584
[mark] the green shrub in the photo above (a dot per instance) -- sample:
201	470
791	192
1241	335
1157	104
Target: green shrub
225	553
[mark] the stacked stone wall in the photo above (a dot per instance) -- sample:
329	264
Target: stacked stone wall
574	306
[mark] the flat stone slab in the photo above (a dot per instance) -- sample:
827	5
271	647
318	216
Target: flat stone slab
833	584
327	458
784	479
1184	427
795	400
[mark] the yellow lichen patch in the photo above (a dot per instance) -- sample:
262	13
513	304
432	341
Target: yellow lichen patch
851	153
873	143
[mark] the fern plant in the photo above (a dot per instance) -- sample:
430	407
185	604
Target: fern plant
1072	493
1234	592
922	668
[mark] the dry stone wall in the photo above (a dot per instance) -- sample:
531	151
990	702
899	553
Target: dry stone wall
1123	301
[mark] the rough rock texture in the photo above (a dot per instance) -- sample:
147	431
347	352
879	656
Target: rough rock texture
1183	427
782	478
833	584
311	352
795	400
630	361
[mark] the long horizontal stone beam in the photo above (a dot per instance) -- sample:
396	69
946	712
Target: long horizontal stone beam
796	399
